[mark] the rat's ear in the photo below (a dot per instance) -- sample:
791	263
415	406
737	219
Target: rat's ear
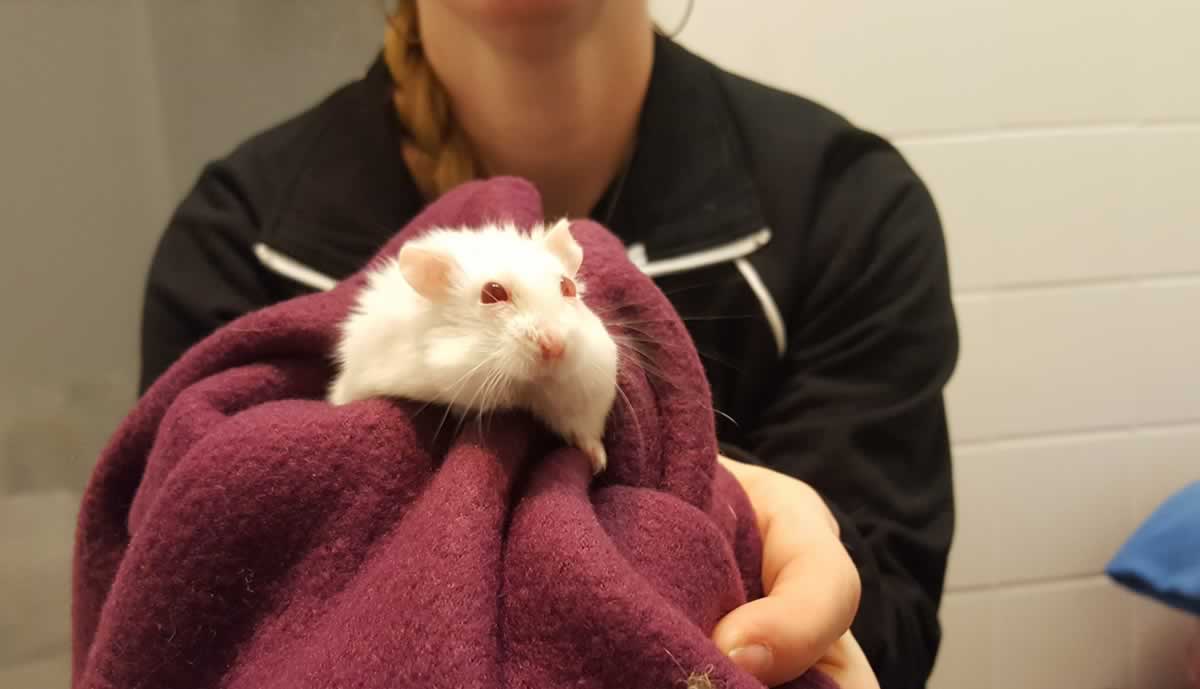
428	270
562	244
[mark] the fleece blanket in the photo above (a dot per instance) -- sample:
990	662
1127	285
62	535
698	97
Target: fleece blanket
239	531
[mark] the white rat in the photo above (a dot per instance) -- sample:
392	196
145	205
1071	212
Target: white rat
480	320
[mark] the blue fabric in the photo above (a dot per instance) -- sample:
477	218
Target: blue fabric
1162	557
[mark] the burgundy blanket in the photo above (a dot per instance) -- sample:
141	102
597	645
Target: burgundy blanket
238	531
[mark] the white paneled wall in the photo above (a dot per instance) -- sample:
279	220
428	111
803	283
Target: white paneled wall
1062	142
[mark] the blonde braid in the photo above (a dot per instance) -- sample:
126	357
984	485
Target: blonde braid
435	147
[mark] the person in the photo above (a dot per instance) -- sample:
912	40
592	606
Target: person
806	256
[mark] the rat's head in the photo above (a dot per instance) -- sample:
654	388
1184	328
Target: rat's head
512	300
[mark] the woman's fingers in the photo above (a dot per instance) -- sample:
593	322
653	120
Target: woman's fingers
812	585
847	665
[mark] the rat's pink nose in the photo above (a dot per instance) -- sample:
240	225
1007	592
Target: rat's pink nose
551	346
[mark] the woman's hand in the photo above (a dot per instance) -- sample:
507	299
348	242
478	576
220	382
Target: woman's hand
847	665
812	589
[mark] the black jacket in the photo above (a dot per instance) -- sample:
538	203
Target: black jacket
806	254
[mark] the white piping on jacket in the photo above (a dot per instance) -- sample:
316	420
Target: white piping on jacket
291	268
735	251
699	259
769	307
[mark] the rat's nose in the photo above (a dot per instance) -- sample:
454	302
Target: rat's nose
551	346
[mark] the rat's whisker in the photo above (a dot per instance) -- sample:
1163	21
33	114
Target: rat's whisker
628	402
685	319
652	298
637	426
457	388
678	346
471	404
483	362
491	394
635	357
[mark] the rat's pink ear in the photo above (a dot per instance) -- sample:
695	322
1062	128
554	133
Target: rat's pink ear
562	244
428	270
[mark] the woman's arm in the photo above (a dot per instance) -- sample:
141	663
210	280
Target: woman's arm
203	273
859	411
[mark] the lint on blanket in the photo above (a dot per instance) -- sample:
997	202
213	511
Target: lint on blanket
240	531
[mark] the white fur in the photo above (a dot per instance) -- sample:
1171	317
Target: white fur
452	349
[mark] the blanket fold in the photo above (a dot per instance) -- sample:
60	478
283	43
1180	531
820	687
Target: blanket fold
239	531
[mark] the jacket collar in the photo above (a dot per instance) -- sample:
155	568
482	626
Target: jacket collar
688	189
352	191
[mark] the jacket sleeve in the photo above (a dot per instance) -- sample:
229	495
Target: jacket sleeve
203	273
859	411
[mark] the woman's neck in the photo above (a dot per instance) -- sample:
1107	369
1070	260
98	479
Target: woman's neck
549	102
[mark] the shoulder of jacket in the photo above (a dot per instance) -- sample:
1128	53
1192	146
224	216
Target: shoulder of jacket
801	150
792	134
264	166
775	108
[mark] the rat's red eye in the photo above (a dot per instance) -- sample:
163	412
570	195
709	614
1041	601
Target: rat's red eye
567	286
493	292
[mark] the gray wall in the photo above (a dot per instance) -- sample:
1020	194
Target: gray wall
227	68
108	111
84	189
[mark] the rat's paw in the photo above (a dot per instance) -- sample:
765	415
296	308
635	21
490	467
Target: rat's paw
595	451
